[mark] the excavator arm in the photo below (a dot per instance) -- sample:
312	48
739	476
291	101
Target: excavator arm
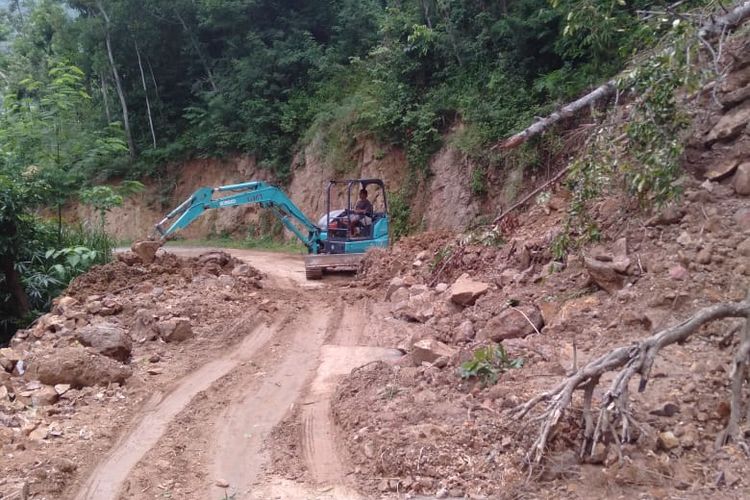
246	193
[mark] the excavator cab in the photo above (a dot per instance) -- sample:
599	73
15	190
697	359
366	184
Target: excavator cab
356	216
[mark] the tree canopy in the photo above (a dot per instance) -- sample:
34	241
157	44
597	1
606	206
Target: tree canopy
206	77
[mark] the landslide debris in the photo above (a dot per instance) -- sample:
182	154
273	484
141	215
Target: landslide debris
419	428
74	378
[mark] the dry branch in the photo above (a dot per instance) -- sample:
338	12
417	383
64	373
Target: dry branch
717	26
536	191
633	360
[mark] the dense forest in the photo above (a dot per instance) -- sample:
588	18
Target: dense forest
95	89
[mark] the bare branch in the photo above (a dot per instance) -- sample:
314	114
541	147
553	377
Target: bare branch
633	360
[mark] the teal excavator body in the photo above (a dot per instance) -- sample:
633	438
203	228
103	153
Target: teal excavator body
332	244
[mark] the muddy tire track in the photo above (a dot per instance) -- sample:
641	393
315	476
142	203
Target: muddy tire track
107	478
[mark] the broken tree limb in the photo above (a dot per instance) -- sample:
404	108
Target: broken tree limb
717	26
727	22
571	109
536	191
633	360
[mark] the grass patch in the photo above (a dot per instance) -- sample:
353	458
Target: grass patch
267	244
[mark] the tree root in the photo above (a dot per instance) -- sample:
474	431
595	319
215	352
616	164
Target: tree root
615	422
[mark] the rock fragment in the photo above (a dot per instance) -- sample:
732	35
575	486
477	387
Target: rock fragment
45	396
77	367
430	350
146	250
466	291
175	330
741	182
107	339
513	323
604	275
730	124
667	441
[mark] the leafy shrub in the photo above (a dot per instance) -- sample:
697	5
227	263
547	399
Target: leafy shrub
400	216
488	364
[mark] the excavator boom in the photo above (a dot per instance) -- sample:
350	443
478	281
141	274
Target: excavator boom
246	193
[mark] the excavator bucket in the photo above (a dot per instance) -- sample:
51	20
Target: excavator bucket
316	264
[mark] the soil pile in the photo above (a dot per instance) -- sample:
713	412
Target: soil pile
123	330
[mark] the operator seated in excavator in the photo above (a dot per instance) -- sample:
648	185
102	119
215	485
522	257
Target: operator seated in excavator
362	216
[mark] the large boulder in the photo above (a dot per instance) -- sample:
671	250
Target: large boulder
465	291
78	367
607	274
430	350
722	169
107	339
513	323
175	330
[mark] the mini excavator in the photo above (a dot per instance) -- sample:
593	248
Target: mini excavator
337	242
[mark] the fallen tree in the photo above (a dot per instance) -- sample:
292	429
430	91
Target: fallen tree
614	420
717	26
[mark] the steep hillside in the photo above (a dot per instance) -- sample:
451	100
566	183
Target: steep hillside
450	415
444	199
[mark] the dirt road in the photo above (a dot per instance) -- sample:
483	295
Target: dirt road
209	436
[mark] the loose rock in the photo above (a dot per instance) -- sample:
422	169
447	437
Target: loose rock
175	330
730	125
146	250
512	324
466	291
107	339
667	441
78	367
430	350
45	396
678	273
604	275
741	182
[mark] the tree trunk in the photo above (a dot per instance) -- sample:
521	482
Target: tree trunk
156	88
198	51
153	78
426	9
145	92
118	83
19	11
105	98
20	306
451	33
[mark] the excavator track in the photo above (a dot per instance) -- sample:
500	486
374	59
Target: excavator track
313	273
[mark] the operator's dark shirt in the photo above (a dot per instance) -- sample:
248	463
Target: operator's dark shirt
364	205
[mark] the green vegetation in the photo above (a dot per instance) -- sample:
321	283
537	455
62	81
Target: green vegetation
488	363
264	243
179	78
645	159
93	90
47	150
